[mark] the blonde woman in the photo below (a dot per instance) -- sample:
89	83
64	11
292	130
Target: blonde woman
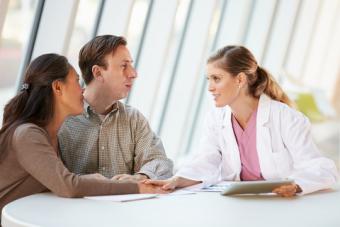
253	133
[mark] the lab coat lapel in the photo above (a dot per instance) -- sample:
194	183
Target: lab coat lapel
232	150
263	138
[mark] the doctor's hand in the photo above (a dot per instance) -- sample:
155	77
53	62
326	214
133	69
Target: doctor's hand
288	190
150	189
127	177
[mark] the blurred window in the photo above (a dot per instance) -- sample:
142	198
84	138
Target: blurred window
15	34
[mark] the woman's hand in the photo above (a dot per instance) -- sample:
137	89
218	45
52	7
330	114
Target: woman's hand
173	183
151	189
288	190
168	184
128	177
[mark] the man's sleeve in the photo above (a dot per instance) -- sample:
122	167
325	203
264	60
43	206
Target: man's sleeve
63	143
150	157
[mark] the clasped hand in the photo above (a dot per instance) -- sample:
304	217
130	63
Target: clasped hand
142	186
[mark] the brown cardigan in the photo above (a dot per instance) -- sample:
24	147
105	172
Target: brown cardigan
31	165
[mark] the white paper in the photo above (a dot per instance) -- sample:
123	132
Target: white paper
122	198
219	187
194	188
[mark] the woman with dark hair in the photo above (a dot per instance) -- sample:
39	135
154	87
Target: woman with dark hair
29	160
253	134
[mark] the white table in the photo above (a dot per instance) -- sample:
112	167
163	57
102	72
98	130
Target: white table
206	209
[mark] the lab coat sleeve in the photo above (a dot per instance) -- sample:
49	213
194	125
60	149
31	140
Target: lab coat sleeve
312	171
206	165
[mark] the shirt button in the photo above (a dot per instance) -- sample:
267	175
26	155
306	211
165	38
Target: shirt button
103	168
103	147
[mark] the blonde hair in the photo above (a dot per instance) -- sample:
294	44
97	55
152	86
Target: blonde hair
238	59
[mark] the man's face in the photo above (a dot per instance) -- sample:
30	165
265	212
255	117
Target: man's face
119	73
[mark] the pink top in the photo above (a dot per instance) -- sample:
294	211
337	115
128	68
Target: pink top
246	141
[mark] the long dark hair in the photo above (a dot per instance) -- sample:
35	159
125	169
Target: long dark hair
237	59
34	103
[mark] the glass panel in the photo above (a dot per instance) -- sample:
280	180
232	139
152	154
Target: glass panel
259	27
203	98
185	79
83	29
174	46
153	56
14	36
115	17
281	33
137	22
301	38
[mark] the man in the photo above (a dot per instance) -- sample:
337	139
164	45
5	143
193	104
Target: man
111	138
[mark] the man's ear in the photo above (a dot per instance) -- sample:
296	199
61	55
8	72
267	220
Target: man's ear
96	72
57	87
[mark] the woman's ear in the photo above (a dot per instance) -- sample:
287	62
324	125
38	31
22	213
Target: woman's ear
96	72
241	79
57	87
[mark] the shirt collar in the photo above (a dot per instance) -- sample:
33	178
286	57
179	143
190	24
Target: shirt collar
89	110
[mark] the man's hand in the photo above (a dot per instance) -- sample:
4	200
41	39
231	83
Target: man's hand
137	177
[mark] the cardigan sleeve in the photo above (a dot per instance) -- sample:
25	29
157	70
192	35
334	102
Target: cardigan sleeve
37	156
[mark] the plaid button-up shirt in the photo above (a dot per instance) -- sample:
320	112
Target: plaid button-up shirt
122	142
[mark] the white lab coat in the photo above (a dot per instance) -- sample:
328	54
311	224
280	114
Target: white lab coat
284	145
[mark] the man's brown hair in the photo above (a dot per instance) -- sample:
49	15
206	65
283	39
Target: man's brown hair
94	52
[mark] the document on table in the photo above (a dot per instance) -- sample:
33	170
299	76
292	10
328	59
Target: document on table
122	198
219	187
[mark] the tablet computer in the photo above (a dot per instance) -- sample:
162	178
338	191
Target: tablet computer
254	187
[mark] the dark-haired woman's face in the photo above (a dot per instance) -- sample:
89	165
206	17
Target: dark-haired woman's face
222	85
72	98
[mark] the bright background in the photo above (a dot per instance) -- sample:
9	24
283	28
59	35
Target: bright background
296	40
